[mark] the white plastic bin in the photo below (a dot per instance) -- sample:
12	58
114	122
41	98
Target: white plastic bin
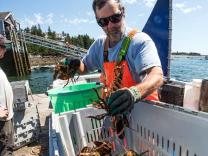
162	129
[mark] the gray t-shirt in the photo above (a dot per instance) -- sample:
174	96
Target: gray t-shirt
142	55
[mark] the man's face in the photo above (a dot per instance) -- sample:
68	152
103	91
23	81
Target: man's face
2	51
114	30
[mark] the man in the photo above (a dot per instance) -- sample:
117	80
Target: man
6	107
134	51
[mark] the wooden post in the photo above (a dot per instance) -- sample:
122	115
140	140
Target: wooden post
203	102
27	57
26	53
15	55
19	58
23	56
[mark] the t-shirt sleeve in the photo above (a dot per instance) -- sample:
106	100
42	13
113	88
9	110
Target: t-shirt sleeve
146	55
92	59
2	94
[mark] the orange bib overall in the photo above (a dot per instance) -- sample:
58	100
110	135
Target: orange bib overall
127	81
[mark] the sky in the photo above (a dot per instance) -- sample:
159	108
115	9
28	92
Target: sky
190	18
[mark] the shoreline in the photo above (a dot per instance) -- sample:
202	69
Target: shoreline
36	60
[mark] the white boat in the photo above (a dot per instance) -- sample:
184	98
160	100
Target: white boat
159	128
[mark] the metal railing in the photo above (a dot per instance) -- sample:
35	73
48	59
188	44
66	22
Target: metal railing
60	47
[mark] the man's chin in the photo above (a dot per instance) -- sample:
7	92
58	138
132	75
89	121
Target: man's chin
115	33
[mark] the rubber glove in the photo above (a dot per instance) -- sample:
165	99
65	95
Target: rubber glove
123	100
72	65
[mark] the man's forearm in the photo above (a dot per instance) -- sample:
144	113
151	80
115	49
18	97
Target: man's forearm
82	68
153	81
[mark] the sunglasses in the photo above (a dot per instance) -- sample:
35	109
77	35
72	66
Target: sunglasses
114	19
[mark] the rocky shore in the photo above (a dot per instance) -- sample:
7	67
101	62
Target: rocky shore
44	60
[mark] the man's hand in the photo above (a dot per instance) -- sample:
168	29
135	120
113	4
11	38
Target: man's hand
73	66
122	101
66	68
3	113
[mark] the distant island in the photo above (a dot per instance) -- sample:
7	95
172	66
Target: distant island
185	53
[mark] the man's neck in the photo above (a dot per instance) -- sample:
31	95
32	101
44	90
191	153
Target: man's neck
112	43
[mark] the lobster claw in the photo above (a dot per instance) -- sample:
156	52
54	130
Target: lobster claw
60	72
120	122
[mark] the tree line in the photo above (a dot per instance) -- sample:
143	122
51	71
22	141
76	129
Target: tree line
83	41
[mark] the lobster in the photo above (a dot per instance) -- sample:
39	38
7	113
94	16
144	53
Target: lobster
119	122
66	72
100	149
103	148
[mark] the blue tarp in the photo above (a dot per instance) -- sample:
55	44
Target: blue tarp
157	27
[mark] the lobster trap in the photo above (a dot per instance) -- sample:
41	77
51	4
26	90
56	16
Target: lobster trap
158	129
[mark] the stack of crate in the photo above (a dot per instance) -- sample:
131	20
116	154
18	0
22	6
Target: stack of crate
21	90
172	93
26	117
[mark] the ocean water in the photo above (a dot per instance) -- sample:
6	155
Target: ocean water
39	79
183	68
186	68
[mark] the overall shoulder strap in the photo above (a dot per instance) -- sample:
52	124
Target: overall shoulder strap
105	53
125	45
